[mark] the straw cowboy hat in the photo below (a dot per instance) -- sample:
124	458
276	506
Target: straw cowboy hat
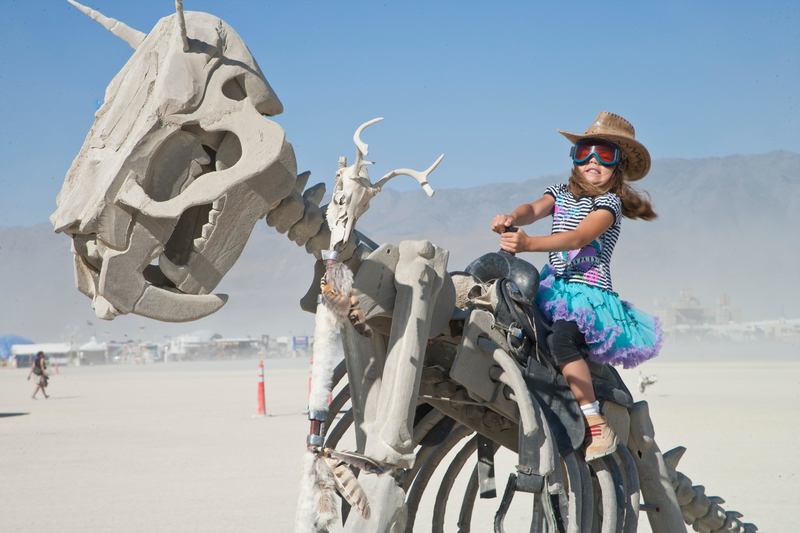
615	129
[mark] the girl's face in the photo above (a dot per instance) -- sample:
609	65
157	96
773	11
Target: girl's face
595	173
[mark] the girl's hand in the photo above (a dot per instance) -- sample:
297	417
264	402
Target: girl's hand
516	242
501	222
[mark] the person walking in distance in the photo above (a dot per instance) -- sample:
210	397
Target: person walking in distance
38	370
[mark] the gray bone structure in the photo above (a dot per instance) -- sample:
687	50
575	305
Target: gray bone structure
418	279
179	165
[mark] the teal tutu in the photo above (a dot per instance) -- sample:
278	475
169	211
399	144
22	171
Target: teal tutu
616	332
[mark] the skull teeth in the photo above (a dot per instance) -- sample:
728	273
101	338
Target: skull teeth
200	243
213	215
219	203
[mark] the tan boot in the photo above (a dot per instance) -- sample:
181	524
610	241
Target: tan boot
600	438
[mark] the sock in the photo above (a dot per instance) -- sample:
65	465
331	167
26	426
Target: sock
591	409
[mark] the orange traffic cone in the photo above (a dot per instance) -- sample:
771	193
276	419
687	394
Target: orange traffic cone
262	408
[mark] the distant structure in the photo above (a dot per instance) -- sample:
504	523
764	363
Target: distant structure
686	319
688	312
782	330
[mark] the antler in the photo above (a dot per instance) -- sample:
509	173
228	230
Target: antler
182	24
421	177
120	29
362	148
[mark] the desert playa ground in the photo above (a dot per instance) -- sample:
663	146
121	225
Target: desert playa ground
175	447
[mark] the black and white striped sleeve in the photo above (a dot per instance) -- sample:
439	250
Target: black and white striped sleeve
555	190
610	202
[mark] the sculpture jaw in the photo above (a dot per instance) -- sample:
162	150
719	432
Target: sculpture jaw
180	164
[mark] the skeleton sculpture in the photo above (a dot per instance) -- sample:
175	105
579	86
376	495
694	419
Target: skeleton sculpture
179	166
354	190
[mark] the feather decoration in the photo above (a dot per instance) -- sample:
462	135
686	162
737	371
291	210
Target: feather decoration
349	488
337	285
336	301
361	462
327	504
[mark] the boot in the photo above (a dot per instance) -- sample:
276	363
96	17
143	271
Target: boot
600	438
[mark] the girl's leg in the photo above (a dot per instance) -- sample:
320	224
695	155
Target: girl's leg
565	342
35	391
579	380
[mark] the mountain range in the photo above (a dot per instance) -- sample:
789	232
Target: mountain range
726	226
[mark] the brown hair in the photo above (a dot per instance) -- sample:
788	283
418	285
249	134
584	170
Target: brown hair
635	204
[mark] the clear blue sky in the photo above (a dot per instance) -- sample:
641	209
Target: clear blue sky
486	83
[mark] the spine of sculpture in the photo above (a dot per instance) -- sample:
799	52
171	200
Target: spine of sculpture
704	513
300	216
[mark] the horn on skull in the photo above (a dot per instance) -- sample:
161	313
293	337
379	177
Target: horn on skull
182	24
120	29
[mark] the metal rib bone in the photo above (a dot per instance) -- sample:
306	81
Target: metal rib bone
527	412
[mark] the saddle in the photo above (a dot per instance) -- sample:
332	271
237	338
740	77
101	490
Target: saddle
529	330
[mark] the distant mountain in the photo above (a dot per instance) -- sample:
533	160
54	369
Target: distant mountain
726	226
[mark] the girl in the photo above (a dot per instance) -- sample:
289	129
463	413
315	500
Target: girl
576	292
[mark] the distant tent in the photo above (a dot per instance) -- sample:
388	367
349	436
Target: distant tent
7	341
93	346
93	352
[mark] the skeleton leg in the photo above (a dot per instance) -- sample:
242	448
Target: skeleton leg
418	279
654	477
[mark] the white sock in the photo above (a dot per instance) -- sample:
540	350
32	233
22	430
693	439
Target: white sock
591	409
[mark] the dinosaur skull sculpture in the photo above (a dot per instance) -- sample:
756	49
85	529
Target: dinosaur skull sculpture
179	165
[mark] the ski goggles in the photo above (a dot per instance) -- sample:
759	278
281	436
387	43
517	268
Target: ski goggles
606	152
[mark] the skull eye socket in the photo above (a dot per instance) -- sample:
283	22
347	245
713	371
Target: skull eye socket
178	162
234	89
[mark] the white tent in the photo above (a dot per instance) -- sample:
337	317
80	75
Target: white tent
56	352
93	352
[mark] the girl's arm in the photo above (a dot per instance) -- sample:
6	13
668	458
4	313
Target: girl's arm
595	224
525	214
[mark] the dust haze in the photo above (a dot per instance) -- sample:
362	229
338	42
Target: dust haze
725	230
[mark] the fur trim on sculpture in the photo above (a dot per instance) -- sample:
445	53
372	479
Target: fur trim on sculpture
326	357
318	504
325	498
337	287
305	519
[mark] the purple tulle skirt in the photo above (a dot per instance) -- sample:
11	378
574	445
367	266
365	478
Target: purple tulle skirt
616	332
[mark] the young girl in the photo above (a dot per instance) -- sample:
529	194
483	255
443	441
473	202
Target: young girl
576	292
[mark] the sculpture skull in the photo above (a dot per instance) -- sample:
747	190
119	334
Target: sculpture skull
179	165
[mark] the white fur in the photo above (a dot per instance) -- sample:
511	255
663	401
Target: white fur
318	503
326	357
342	278
305	519
326	501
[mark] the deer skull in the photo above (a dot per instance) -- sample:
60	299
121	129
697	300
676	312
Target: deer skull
354	190
179	165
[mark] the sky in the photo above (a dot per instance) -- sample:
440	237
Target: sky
485	83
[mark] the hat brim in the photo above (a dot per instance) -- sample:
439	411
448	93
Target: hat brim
638	156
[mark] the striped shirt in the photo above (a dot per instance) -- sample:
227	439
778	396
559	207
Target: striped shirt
591	264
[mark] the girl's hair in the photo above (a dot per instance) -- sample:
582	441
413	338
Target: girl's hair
635	204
